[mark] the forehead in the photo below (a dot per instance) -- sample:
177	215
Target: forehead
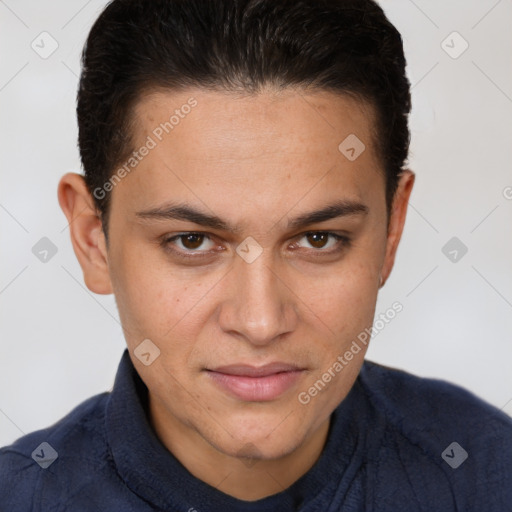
284	120
270	149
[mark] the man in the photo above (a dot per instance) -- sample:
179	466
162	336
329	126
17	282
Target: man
244	197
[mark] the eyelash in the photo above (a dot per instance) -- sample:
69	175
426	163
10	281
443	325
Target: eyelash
343	242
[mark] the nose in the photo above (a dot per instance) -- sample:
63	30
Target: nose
260	307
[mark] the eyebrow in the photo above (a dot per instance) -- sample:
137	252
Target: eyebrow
185	212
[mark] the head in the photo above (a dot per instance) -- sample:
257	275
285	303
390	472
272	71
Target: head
244	196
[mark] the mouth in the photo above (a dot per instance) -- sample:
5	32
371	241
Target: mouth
256	384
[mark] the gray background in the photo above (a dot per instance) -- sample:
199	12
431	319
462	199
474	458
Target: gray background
60	344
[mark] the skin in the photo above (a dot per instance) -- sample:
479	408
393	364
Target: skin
256	162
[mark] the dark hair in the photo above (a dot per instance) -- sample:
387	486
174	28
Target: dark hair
343	46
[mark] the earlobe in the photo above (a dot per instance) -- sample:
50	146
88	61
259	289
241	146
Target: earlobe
86	232
397	221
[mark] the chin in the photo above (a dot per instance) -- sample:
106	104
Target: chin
264	440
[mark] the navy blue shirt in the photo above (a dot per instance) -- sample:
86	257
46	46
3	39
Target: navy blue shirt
396	443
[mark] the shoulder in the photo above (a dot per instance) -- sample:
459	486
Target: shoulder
408	399
444	439
32	467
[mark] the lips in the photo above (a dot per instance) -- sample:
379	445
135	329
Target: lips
253	371
256	384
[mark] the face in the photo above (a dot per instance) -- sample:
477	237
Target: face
248	248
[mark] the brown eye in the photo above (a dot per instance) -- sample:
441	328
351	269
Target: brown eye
189	243
317	240
323	242
192	240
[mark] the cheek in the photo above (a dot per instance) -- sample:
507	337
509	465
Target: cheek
345	302
156	301
142	293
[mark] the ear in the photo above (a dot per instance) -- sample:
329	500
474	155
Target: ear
397	221
86	232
